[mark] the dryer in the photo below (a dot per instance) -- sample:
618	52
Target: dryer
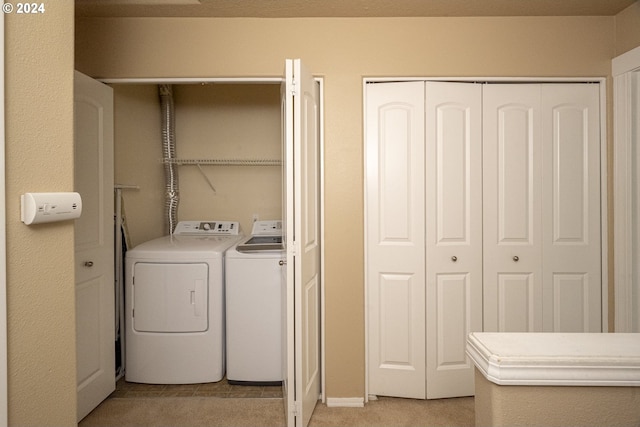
174	302
255	313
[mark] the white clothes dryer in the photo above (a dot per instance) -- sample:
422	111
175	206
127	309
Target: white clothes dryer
255	315
174	302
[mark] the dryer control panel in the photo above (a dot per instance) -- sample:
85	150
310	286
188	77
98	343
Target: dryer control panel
201	228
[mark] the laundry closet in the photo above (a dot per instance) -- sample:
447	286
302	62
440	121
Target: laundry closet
225	150
484	212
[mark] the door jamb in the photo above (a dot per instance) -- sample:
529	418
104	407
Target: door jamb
623	197
4	408
265	80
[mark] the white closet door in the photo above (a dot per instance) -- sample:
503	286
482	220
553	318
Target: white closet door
512	166
454	234
94	245
571	224
302	222
395	239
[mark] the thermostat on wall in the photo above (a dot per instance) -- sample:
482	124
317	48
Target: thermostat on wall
37	208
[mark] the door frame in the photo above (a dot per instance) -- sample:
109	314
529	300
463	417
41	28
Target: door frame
604	201
4	409
621	68
264	80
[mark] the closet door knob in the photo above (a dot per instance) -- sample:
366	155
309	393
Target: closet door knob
88	263
516	258
454	258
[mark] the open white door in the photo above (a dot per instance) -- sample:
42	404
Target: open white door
93	110
302	219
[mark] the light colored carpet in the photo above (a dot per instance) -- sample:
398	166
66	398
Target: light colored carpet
214	412
186	412
390	411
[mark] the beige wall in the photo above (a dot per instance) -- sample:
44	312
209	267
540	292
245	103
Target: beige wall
39	63
509	406
628	28
40	269
213	121
344	51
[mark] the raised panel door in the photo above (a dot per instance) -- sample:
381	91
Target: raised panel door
571	224
512	209
94	243
395	239
454	234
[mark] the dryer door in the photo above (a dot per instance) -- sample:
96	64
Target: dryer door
170	297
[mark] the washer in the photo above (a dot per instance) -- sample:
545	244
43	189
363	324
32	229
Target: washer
174	302
254	306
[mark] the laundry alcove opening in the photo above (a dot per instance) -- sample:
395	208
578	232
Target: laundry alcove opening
214	123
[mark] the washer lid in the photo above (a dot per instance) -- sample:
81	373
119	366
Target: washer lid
181	247
261	243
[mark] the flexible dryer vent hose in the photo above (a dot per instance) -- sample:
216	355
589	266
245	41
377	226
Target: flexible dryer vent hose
172	191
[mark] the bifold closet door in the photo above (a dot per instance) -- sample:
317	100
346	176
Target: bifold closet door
512	180
395	239
541	173
483	213
453	233
424	190
572	278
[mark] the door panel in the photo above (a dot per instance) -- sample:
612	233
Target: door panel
516	302
453	298
454	234
512	180
395	239
94	246
570	302
307	263
302	154
572	230
88	297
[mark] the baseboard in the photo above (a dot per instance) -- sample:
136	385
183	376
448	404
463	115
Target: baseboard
345	402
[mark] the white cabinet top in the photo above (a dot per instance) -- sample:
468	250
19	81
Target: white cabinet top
557	359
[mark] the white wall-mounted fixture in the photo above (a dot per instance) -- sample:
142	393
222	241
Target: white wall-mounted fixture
36	208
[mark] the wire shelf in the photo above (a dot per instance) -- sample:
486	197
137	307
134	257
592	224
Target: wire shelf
224	162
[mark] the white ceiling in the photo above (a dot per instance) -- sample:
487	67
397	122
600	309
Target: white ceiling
348	8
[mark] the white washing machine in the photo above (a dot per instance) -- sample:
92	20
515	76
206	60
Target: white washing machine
254	306
174	302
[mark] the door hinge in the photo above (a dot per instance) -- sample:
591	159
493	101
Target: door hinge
294	88
295	409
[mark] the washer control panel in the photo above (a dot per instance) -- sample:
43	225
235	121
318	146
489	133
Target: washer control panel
195	228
